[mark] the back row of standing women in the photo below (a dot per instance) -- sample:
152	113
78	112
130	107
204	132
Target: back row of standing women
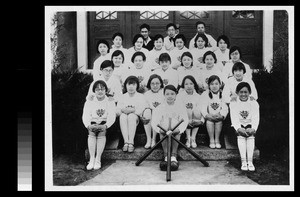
205	76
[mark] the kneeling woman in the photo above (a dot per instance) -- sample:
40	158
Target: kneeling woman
98	115
170	109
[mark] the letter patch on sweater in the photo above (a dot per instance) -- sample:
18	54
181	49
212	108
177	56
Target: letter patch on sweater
165	81
189	105
141	78
214	105
155	104
244	114
100	112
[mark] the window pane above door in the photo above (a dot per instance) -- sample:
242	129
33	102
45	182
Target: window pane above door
104	15
244	14
156	15
194	14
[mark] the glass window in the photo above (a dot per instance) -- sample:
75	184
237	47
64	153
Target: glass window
156	15
244	14
110	15
194	14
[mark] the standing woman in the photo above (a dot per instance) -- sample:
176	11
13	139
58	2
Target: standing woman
98	115
244	114
235	55
103	54
130	109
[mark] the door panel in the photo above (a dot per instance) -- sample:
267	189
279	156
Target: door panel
245	31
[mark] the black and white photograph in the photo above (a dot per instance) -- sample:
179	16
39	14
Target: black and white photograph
169	98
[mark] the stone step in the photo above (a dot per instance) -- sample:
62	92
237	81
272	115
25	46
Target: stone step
204	152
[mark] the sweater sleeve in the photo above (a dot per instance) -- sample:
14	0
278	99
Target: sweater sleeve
183	114
224	109
234	115
111	116
86	115
120	104
141	104
156	117
204	104
255	115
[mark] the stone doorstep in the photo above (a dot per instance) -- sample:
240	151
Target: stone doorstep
203	151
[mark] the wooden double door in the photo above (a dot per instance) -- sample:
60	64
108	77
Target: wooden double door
244	28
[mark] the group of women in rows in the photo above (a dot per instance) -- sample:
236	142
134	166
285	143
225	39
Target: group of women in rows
200	85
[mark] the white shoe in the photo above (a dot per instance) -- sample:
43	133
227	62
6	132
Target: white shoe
194	145
97	165
251	166
244	166
188	143
90	166
173	158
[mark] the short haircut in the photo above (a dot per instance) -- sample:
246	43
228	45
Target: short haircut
209	53
235	48
154	76
200	22
226	40
203	36
211	79
190	77
136	37
101	83
107	63
164	57
145	26
131	80
102	41
158	36
138	53
117	53
170	87
171	25
238	66
118	34
188	54
180	36
241	85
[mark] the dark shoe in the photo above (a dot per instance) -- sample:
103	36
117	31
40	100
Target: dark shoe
163	166
174	165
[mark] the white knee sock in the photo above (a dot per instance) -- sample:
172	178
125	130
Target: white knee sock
241	142
92	147
250	141
101	141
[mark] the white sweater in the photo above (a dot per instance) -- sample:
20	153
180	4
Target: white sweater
175	55
169	76
198	55
138	101
213	105
98	111
244	113
153	56
230	88
97	65
154	99
163	112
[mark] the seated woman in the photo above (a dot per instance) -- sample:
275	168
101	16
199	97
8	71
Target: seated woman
98	115
130	109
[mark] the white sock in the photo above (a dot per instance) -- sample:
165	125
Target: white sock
173	158
92	148
101	140
250	141
241	142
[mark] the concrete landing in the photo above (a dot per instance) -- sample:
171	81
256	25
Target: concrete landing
148	176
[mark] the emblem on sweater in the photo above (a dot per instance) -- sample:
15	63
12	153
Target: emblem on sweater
214	105
141	78
244	114
189	105
100	112
206	80
155	104
165	81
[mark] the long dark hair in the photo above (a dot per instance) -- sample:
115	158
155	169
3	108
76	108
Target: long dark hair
211	79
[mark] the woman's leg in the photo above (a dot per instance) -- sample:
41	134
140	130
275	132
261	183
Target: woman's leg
164	145
153	141
132	124
124	127
101	141
188	137
92	149
241	142
250	145
218	129
211	133
147	127
193	138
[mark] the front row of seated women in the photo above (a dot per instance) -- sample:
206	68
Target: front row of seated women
160	104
